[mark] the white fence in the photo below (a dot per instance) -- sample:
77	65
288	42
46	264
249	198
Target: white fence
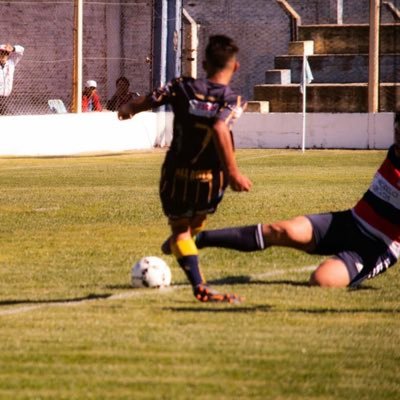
70	134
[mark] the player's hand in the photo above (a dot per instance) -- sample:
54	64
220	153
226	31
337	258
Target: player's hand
240	183
125	112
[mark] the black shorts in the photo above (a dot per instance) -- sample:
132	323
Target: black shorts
185	192
339	234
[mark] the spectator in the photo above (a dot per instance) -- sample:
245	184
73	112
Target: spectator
122	95
9	58
90	97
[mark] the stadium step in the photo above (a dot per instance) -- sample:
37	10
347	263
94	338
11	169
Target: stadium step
257	107
338	58
301	47
350	39
327	97
280	76
345	68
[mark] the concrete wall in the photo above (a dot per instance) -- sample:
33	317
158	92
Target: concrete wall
347	131
70	134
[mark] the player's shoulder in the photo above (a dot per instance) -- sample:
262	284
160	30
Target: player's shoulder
233	97
182	80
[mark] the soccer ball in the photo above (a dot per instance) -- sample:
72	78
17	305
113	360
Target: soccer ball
150	272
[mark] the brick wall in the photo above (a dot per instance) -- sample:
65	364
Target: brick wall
116	41
118	36
260	28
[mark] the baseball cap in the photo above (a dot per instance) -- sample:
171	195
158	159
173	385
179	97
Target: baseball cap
4	47
91	83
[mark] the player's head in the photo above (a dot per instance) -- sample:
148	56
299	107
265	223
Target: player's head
4	53
397	128
122	81
221	54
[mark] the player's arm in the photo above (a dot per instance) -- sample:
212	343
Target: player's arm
135	106
223	142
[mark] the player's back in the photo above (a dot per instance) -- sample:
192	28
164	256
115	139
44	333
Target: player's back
197	104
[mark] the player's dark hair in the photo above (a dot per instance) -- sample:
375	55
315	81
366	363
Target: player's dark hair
220	49
397	118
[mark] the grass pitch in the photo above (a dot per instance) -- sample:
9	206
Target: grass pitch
71	327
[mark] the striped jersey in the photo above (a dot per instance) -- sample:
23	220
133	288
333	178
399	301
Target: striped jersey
378	211
197	104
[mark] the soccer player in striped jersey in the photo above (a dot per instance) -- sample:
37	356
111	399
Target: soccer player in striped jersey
200	162
362	242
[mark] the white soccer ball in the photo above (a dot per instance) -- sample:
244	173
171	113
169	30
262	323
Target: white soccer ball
150	272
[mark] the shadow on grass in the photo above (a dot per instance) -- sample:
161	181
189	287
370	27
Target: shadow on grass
267	308
55	301
221	308
345	311
247	280
118	287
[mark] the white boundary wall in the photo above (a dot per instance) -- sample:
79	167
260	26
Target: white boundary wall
69	134
347	131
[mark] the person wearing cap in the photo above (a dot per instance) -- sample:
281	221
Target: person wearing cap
90	97
9	57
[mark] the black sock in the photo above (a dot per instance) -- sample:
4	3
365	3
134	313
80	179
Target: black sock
190	264
244	238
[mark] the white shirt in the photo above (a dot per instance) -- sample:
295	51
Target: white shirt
7	71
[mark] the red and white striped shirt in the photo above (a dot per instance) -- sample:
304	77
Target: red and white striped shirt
378	211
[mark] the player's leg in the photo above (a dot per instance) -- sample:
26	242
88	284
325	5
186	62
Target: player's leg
332	272
196	226
296	233
185	250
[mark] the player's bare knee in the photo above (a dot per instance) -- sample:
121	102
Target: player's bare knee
326	279
320	279
274	232
315	279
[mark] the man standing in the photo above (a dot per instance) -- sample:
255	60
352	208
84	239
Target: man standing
9	58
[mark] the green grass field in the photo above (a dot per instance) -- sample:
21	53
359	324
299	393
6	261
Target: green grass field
71	327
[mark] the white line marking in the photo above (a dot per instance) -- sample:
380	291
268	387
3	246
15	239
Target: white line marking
283	271
137	292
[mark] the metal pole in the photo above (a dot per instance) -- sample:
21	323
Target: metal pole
159	62
340	12
174	45
373	80
77	64
191	44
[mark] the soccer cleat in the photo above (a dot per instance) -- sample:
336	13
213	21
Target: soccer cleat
205	294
